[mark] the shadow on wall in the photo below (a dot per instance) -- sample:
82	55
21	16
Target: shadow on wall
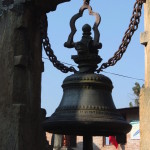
80	146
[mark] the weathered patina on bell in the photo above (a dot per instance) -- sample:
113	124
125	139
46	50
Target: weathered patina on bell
87	106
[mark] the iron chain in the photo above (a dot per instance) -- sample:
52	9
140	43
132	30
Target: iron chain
47	47
133	26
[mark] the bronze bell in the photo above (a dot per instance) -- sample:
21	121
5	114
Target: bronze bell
87	106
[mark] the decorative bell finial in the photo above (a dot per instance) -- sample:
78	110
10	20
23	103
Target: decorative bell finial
87	58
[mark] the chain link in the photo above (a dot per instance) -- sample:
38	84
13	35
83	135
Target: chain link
133	26
47	47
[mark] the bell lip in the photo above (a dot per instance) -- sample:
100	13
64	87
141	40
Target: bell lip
102	128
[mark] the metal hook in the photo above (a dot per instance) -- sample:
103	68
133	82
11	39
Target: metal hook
87	2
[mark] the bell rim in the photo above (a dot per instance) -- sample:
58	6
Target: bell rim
95	128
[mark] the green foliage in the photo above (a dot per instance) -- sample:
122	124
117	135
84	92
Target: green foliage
136	90
130	104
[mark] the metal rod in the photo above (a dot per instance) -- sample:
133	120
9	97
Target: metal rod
87	142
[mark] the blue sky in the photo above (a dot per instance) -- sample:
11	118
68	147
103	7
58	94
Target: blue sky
115	17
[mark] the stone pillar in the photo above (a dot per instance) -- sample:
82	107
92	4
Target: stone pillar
20	74
145	92
20	77
57	141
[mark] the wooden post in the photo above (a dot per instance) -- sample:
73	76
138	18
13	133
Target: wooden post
87	142
145	93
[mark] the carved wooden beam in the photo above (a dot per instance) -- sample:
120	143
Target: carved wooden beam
41	5
48	5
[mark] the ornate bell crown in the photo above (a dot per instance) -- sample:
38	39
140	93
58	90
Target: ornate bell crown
87	58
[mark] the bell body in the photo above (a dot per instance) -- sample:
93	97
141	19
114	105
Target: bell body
87	108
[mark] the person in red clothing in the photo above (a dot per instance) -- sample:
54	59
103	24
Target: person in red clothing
113	141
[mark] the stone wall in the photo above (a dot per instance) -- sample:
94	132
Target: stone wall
20	78
20	74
